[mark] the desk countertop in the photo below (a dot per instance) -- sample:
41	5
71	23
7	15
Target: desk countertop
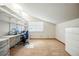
2	38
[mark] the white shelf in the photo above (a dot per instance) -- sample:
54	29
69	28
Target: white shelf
9	14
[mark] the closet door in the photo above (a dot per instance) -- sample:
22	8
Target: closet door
72	41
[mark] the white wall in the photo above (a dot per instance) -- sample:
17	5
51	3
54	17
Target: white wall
60	28
4	25
48	32
4	28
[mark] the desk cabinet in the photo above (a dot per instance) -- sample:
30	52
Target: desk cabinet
4	48
17	39
12	41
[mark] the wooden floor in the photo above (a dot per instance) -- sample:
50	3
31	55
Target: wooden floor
40	47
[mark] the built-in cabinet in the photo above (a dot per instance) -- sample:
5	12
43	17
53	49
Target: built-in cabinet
18	39
4	47
72	41
14	39
7	42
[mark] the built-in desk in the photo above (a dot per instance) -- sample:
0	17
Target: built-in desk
14	39
6	42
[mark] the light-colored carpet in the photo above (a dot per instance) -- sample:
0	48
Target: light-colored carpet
40	47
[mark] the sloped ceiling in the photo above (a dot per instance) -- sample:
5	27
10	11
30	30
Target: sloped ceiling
52	12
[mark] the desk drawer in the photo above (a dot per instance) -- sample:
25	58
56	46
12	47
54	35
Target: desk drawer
4	50
3	44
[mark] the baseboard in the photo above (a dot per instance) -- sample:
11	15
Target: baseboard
68	53
48	38
43	38
60	41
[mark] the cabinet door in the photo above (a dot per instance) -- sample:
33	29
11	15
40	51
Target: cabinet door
17	39
12	41
4	50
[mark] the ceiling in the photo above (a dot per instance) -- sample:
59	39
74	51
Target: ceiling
52	12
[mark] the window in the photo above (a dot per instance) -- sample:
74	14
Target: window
36	26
